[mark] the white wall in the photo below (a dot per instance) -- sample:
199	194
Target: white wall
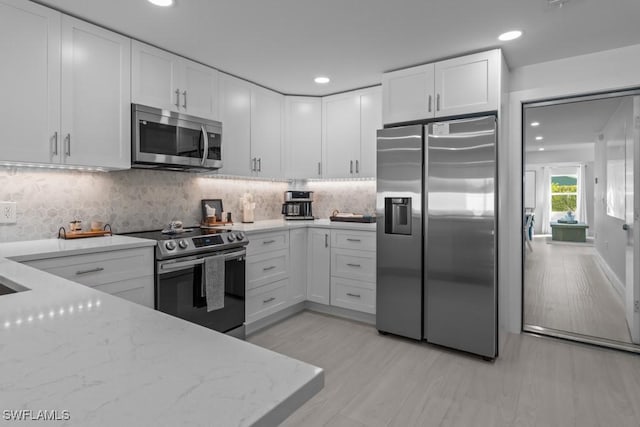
597	72
611	239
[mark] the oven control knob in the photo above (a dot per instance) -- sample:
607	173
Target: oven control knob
183	244
231	237
240	235
171	245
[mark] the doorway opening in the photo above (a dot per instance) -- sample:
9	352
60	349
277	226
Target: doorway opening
581	231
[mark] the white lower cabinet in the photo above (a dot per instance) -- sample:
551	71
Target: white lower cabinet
353	294
126	273
318	265
266	300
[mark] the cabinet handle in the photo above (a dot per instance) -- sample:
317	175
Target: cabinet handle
429	102
93	270
438	102
184	94
67	141
357	166
177	104
266	242
55	143
349	294
353	240
326	240
319	168
350	166
268	300
253	164
271	267
259	164
353	265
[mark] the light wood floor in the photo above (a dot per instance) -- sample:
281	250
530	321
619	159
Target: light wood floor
565	289
375	380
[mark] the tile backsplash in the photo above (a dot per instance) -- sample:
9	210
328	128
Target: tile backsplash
136	199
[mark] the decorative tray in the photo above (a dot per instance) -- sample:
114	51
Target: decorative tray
67	235
354	218
215	224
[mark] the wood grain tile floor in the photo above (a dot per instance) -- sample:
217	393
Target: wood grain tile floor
376	380
565	289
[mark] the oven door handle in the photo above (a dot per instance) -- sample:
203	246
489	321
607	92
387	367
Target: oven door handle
175	266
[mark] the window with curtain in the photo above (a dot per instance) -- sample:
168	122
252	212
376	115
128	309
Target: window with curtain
563	195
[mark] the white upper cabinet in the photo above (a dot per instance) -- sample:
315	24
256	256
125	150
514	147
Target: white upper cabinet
303	137
68	83
464	85
251	129
266	132
30	82
170	82
408	94
470	84
235	115
96	112
350	122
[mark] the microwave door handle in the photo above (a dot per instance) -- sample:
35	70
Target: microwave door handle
205	153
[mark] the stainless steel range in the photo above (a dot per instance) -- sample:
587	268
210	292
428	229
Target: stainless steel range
200	276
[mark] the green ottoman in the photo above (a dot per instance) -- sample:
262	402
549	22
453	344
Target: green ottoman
569	232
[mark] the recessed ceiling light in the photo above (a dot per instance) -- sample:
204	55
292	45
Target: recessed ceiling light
510	35
539	138
534	124
541	149
163	3
322	80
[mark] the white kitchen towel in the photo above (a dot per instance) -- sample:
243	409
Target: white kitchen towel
213	278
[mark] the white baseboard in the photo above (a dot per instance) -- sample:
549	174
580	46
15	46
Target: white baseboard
258	325
613	278
341	312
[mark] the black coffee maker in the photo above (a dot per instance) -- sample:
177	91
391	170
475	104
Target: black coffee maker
297	205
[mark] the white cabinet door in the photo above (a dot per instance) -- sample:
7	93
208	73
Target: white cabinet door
29	82
408	94
96	95
341	134
235	114
303	137
370	122
199	90
298	265
266	132
318	266
469	84
154	74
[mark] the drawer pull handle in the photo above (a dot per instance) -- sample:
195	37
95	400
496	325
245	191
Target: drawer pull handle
271	267
354	240
268	300
349	294
267	242
93	270
353	265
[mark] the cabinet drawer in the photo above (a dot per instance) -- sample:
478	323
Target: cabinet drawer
138	290
351	264
101	267
347	239
353	294
266	300
267	267
267	242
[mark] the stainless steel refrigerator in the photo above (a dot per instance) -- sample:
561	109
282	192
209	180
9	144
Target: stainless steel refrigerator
453	244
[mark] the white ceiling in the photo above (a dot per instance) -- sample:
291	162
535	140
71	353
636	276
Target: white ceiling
284	44
569	126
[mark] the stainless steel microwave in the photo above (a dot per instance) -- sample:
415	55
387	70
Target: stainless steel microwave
162	139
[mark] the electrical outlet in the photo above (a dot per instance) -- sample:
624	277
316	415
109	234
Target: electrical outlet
7	212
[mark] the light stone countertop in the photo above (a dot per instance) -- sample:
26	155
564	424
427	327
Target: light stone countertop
281	224
107	361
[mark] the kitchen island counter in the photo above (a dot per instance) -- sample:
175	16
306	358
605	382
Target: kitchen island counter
88	358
